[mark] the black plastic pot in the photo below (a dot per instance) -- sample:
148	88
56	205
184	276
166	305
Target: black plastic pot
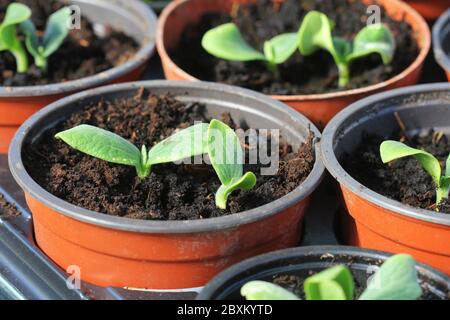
441	42
376	221
184	254
132	17
301	261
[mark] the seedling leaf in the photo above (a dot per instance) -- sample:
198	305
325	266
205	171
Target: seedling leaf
261	290
186	143
226	42
335	283
278	49
395	280
374	38
393	150
101	144
56	31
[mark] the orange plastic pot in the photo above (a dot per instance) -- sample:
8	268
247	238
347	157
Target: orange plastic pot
121	252
131	16
430	9
375	221
441	42
319	108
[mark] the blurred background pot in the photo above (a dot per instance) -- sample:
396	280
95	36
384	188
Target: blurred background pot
441	42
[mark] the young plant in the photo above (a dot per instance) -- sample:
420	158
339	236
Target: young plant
226	156
16	13
396	279
216	139
55	33
316	33
226	42
393	150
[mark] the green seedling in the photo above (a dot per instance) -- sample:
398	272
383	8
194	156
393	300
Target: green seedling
393	150
316	33
216	139
226	42
16	13
55	33
396	279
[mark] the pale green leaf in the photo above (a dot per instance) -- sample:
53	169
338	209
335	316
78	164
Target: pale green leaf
395	280
393	150
261	290
101	144
335	283
56	31
246	182
374	38
278	49
186	143
226	42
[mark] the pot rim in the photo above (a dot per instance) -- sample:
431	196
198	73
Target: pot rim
425	48
143	54
344	178
440	55
268	258
164	227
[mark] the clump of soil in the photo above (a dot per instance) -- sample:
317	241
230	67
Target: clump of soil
299	75
7	210
82	54
403	180
172	192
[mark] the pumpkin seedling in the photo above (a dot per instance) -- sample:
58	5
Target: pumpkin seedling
393	150
316	33
57	29
16	13
216	139
226	42
396	279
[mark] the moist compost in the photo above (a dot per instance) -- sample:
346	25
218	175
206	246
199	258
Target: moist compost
172	192
83	53
299	75
7	210
403	180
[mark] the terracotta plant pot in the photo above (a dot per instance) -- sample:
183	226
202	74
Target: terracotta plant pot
430	9
116	251
132	17
441	42
319	108
379	222
301	261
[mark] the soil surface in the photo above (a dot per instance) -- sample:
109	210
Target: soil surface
299	75
82	54
7	210
172	192
403	180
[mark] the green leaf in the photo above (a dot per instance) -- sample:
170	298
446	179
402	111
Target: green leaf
16	13
101	144
395	280
278	49
315	34
393	150
31	39
374	38
246	182
335	283
443	190
447	167
186	143
56	30
226	42
261	290
226	156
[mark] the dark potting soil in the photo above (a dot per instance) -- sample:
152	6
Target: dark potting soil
403	180
299	75
172	192
7	209
82	54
